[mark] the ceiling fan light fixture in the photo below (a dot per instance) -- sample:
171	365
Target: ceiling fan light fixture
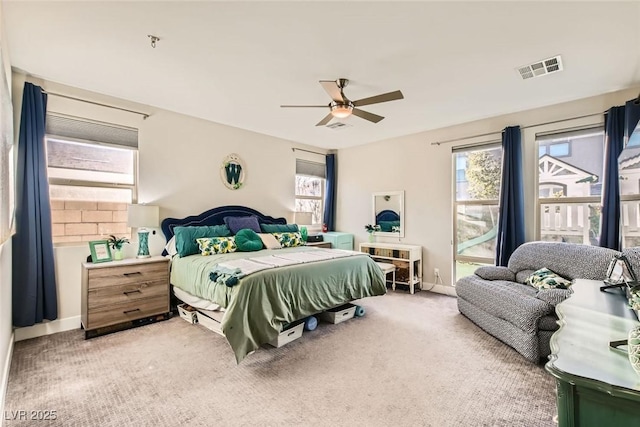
341	111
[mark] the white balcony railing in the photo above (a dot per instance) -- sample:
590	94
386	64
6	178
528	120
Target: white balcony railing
579	222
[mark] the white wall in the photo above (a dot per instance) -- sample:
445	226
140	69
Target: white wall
179	170
6	329
424	171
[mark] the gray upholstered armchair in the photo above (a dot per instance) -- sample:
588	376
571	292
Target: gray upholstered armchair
497	300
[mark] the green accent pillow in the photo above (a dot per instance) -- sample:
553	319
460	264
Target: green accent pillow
387	226
289	240
216	245
248	240
186	237
547	279
279	228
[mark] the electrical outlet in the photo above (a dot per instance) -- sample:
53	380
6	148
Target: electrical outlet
436	272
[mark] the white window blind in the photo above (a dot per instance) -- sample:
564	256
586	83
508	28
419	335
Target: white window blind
308	168
75	128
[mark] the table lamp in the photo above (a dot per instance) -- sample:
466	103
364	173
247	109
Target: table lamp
141	216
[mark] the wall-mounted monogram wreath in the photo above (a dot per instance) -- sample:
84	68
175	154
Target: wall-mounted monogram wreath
232	172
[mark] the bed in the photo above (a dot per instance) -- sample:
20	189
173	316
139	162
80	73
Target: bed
261	303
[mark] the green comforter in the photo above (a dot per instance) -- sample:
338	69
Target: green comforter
263	302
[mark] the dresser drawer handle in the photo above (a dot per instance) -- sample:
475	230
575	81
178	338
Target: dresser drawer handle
131	311
135	273
132	292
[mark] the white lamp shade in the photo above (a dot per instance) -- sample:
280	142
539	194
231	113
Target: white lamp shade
139	216
303	218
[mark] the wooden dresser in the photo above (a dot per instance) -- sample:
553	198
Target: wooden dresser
406	258
120	294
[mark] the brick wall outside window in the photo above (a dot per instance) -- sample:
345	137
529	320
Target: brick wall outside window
83	221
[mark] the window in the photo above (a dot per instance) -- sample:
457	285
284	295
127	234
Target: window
555	149
310	187
478	176
629	169
90	182
569	188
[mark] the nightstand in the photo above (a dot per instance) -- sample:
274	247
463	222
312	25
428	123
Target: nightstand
121	294
339	240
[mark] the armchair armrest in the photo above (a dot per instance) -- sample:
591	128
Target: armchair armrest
553	296
495	273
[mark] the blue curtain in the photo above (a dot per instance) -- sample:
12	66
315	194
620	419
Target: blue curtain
511	209
34	282
614	129
330	199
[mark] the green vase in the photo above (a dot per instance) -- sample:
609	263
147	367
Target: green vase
304	233
372	238
117	254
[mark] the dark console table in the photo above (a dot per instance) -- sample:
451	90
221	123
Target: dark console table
596	385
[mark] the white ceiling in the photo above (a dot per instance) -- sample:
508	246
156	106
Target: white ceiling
236	62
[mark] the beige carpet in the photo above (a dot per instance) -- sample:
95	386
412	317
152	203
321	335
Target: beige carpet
413	360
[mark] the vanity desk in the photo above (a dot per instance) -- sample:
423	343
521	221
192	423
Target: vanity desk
406	258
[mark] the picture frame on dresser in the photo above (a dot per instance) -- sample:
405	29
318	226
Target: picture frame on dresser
100	251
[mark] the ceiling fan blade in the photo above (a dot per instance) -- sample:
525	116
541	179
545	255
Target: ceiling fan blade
385	97
303	106
332	89
366	115
326	120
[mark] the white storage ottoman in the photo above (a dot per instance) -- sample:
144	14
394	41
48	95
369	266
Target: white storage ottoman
338	314
188	313
288	335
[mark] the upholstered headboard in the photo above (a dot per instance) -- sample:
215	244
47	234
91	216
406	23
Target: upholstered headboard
216	216
387	215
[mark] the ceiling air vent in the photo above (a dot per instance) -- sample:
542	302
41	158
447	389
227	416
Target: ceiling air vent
338	126
541	68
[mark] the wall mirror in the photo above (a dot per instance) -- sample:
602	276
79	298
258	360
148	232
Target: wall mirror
388	213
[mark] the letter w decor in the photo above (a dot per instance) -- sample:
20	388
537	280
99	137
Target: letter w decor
232	172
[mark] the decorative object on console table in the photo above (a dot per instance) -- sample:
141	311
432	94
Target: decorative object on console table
142	216
339	240
633	348
121	295
372	229
406	258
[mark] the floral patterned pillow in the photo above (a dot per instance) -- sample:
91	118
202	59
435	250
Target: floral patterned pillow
289	240
547	279
216	245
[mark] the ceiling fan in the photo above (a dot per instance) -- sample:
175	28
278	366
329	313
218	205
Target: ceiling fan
341	106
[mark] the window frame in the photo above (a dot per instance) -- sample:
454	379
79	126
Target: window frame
541	201
313	227
66	182
485	146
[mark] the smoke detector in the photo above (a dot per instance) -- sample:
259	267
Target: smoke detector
541	68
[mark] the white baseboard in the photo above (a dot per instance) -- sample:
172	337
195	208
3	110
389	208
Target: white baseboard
440	289
47	328
4	381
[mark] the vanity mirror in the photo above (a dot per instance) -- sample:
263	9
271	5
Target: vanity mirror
388	213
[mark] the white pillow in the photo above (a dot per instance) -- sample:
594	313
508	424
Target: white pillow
170	247
269	241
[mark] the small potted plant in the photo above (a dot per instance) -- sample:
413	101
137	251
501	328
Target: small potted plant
116	244
371	229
